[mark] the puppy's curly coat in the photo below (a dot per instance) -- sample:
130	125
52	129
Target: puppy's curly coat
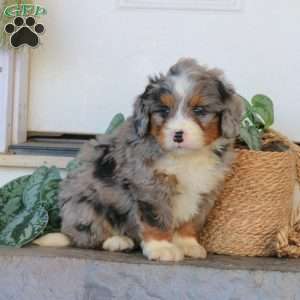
154	182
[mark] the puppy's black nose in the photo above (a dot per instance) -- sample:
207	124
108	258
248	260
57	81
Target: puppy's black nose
178	137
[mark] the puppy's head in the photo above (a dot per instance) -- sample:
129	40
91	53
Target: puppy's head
187	109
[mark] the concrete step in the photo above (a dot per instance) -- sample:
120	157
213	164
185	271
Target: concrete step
74	274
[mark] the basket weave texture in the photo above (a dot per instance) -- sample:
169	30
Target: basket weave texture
254	206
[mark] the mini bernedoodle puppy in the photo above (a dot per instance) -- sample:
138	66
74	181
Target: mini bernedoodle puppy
153	183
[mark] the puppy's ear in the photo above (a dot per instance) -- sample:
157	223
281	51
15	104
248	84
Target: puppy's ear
141	114
232	114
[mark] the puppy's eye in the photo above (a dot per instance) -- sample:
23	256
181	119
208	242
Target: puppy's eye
200	111
163	111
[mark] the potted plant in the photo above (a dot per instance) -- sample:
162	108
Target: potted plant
255	204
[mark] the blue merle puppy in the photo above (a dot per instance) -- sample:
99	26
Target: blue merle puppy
153	183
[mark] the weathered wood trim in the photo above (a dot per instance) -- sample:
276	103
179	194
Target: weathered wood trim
20	96
7	59
28	161
200	5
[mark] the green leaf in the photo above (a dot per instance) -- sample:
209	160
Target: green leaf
11	199
258	121
262	106
31	195
248	117
24	228
251	136
54	223
115	123
28	207
49	189
73	165
246	104
49	200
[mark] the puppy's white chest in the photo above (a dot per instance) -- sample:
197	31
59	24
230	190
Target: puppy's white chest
196	174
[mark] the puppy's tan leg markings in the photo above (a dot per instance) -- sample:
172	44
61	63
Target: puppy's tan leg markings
154	233
156	245
118	243
189	246
186	239
162	251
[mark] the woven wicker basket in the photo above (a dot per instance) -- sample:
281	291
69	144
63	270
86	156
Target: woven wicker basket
252	216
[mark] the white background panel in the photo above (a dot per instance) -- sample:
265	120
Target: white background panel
95	57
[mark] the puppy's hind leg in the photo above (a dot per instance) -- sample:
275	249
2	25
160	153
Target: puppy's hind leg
118	243
53	240
124	230
84	226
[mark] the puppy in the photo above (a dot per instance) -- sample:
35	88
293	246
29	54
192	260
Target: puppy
153	183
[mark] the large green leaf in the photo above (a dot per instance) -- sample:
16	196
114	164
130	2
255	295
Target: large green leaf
29	205
49	189
24	228
49	197
262	106
11	199
31	195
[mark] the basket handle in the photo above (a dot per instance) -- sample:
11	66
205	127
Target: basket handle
288	238
288	243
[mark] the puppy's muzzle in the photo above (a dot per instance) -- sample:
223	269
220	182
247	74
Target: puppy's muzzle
178	137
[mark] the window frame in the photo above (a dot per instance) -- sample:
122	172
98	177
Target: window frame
202	5
14	84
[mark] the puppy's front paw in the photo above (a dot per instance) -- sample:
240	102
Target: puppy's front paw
118	243
161	250
190	246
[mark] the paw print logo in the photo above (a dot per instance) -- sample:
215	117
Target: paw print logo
24	32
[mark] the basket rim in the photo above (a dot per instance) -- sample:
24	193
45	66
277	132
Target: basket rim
256	152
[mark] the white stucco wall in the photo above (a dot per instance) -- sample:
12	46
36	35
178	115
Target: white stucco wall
8	174
95	57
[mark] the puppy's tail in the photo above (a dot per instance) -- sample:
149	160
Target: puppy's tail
53	240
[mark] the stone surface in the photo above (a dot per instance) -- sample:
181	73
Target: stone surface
44	274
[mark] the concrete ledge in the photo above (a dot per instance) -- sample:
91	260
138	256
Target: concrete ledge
41	273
